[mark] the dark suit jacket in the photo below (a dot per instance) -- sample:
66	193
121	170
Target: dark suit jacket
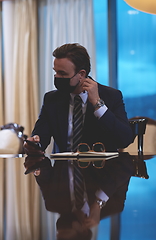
112	128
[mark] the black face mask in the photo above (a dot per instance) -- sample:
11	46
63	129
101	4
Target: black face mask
63	84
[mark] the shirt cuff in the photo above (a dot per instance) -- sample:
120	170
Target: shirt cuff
99	112
101	195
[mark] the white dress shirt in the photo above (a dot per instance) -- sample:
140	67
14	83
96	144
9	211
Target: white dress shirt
98	113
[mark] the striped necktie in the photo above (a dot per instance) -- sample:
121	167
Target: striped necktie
77	122
77	136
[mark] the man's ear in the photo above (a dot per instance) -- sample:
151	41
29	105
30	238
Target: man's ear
82	74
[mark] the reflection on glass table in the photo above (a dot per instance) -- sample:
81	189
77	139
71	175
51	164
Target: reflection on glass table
113	179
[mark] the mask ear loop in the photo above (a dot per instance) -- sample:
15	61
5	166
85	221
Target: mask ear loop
74	75
77	83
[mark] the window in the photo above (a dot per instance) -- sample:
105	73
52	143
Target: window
136	56
137	60
100	24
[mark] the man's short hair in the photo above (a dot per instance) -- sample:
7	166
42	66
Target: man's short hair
77	54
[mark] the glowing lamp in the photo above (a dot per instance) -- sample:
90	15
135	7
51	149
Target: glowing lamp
148	6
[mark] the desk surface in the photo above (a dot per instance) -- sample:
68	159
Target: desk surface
137	220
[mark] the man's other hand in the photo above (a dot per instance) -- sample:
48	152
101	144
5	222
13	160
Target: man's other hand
31	146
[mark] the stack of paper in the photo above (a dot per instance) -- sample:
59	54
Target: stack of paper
84	156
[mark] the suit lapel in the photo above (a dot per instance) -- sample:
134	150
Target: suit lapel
62	112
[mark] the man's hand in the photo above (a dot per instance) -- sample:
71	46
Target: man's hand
31	161
92	88
30	149
94	216
32	164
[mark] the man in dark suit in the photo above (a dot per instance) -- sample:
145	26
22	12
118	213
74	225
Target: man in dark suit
104	116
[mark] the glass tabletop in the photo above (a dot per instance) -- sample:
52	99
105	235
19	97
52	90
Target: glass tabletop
128	214
128	180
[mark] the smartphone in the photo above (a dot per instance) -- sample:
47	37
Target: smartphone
36	145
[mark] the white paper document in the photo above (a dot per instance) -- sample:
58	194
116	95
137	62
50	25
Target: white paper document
84	156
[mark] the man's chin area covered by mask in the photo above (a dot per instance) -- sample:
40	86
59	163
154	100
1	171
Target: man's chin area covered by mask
63	85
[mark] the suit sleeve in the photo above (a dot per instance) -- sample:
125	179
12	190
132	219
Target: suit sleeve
43	127
114	121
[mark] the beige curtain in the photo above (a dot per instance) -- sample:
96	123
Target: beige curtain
21	106
22	197
1	84
59	22
25	79
1	123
